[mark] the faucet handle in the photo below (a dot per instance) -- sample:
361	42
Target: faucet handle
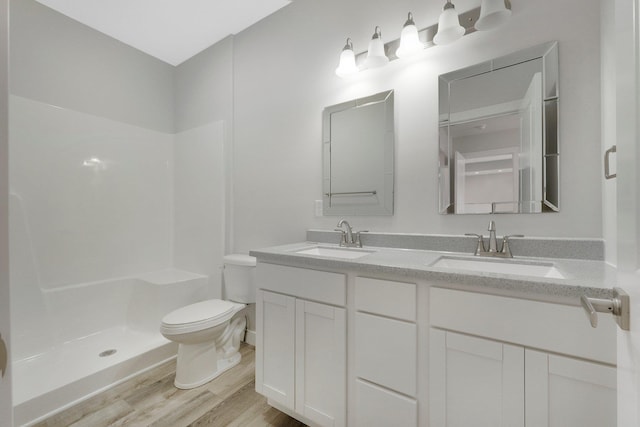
358	242
343	236
506	250
480	246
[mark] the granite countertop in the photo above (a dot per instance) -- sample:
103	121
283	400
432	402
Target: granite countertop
591	277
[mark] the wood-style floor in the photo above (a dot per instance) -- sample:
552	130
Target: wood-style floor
150	399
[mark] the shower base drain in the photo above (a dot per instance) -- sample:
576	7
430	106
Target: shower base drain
109	352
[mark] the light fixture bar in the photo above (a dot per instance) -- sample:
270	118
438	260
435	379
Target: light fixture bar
467	20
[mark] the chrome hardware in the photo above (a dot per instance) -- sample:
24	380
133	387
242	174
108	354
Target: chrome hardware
504	252
506	249
618	306
607	153
358	242
493	245
480	246
347	239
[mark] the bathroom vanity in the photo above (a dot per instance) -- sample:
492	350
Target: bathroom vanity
381	336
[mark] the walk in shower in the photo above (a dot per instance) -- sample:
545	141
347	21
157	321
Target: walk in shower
96	211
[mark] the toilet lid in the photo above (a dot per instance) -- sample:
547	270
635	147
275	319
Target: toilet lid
201	312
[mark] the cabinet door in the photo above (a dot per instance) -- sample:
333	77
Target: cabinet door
275	330
321	363
475	382
566	392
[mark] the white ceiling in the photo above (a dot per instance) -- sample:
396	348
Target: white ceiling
170	30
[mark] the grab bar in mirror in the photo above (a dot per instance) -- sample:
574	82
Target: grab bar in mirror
351	193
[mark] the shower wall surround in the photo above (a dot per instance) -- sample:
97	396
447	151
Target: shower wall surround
144	114
95	195
93	200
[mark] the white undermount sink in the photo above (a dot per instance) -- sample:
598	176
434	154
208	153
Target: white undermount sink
334	252
500	266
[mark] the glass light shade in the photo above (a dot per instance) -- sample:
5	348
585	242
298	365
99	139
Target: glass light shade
449	28
375	55
347	66
409	40
493	13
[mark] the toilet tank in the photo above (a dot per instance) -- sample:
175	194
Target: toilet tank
240	278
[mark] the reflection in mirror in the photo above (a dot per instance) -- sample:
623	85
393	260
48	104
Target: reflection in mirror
358	156
498	135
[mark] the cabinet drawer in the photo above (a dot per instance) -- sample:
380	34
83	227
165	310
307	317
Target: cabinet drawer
313	285
553	327
393	299
378	407
386	352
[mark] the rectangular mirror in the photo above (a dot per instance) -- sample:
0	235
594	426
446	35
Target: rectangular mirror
358	139
498	148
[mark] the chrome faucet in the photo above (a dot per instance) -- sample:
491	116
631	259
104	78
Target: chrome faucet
504	252
493	245
348	239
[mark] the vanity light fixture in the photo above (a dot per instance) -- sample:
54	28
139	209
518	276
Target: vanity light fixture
493	13
376	56
410	43
347	66
449	28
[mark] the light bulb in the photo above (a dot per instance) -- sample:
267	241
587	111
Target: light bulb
449	28
409	40
347	66
375	55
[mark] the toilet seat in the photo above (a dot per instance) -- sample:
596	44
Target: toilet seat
198	316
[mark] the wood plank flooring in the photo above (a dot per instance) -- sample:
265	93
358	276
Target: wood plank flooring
150	399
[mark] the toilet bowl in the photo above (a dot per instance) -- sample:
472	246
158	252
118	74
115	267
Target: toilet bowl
209	332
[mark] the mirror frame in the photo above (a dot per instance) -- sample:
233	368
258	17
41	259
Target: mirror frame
548	52
384	195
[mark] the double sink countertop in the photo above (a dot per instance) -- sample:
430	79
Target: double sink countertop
568	278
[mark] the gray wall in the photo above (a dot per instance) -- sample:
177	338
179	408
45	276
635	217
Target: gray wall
203	94
204	87
270	83
58	61
284	77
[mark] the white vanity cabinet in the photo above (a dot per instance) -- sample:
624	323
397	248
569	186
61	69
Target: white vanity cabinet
301	342
475	381
564	391
385	353
513	362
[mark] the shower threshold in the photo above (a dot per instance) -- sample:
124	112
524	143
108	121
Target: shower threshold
78	369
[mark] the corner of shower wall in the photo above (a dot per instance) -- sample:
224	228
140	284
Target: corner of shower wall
199	202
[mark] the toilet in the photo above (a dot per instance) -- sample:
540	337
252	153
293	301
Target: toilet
209	332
